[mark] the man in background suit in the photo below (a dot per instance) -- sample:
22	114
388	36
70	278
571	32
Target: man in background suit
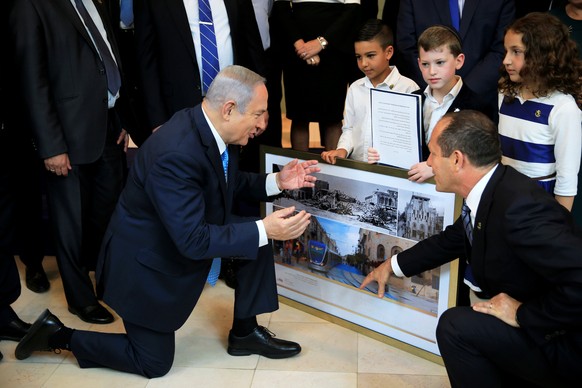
169	57
168	50
174	217
11	326
482	26
523	249
24	177
69	83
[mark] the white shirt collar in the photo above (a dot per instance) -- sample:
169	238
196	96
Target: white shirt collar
389	82
451	95
219	142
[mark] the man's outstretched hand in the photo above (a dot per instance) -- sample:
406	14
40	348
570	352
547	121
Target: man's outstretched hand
283	225
296	175
379	275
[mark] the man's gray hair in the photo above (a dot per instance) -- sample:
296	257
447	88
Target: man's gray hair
233	83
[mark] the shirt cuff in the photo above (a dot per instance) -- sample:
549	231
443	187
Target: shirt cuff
263	240
395	267
271	185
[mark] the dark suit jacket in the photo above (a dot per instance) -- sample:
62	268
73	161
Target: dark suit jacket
466	99
9	280
526	245
165	49
171	220
63	82
482	29
523	7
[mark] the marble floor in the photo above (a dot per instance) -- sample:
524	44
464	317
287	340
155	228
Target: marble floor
332	355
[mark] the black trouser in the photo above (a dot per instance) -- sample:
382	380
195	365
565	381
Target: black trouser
9	280
150	353
81	205
480	350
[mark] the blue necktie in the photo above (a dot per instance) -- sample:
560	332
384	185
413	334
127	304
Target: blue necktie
210	64
466	217
455	14
126	15
224	158
111	70
215	267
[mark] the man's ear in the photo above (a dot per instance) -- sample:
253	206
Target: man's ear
458	159
227	108
461	160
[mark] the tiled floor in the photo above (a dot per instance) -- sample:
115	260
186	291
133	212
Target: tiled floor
332	356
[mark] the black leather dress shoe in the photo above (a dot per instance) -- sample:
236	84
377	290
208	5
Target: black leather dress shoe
262	342
38	336
93	314
36	280
15	330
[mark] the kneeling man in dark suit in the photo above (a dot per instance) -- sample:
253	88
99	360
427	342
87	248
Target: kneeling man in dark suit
523	249
173	218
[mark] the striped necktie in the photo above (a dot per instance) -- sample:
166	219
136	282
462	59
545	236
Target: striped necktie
111	70
210	64
469	279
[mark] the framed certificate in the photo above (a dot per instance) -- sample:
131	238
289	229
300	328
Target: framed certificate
396	127
362	214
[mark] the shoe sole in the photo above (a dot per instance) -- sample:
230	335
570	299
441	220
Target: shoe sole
39	321
243	352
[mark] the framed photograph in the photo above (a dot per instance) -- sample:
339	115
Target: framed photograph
363	214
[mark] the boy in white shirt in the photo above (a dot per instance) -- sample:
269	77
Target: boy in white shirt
374	48
440	57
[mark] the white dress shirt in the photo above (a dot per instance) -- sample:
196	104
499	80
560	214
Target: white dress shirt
221	30
472	200
92	11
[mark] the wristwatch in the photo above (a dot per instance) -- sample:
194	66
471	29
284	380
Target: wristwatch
322	42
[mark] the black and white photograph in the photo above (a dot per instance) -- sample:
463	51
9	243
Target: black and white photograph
367	205
420	215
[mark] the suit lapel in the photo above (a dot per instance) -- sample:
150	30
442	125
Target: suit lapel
443	11
212	152
233	19
178	12
69	10
468	13
459	101
478	261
